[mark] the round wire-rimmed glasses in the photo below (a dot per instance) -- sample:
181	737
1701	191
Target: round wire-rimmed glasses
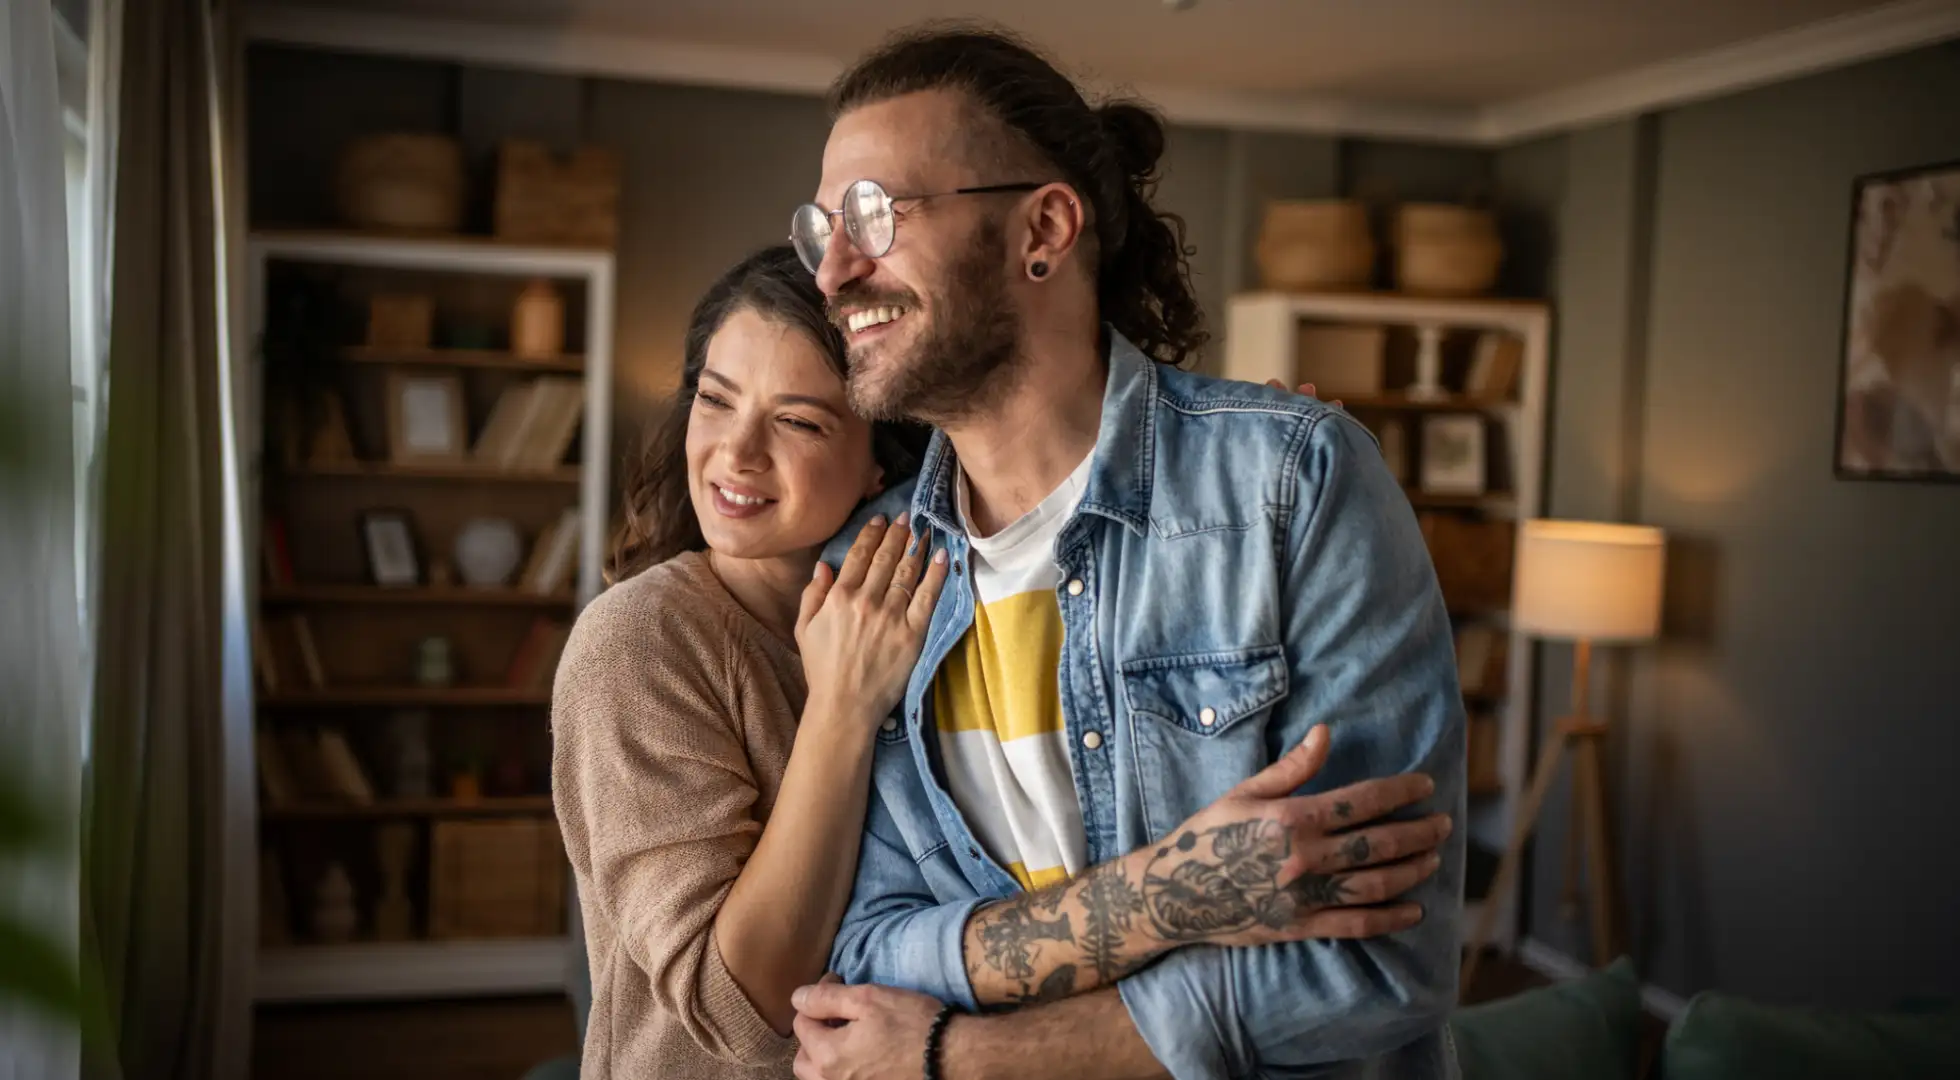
868	218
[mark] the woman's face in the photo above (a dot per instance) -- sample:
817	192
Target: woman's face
776	459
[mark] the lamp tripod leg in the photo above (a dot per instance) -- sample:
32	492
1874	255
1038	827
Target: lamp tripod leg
1507	868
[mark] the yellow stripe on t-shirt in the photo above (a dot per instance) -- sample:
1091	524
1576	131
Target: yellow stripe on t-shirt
1040	879
1001	676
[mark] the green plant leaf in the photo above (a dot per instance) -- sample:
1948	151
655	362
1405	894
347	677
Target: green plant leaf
23	827
37	972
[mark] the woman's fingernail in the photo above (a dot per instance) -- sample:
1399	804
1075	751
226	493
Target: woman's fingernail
904	517
939	556
878	520
817	570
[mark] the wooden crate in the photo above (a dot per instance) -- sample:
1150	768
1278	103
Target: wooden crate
542	198
496	879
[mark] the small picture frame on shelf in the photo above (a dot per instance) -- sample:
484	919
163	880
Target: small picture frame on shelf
1453	454
389	538
426	418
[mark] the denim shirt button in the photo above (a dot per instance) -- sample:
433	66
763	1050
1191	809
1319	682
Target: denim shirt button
890	724
1207	716
1092	740
1075	587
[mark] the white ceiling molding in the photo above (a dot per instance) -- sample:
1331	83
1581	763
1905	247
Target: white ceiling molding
1787	54
1775	57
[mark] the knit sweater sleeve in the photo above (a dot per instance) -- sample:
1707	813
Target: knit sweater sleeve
656	799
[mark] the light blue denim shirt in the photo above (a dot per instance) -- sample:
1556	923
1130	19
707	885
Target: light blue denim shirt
1241	550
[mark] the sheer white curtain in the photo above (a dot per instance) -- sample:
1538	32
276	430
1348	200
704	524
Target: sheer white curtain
41	674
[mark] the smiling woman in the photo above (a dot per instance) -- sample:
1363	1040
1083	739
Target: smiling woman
715	711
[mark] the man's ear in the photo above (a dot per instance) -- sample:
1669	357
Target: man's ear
1056	218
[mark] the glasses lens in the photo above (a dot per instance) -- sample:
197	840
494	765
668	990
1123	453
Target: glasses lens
868	217
809	230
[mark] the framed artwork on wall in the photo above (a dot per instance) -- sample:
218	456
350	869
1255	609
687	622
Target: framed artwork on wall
1899	378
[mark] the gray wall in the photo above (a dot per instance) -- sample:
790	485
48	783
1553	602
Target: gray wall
1784	761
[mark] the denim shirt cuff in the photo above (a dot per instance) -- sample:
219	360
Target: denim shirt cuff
953	987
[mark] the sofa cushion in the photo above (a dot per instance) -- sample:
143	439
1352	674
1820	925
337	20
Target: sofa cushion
1721	1036
1587	1027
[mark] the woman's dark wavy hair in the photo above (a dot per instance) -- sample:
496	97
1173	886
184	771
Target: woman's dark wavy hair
1108	153
659	521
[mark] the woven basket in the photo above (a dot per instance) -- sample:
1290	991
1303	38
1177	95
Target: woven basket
1307	244
401	182
1443	250
496	878
544	199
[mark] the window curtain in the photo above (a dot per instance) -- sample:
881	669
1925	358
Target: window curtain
165	938
40	634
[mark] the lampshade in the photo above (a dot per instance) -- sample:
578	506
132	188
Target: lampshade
1588	579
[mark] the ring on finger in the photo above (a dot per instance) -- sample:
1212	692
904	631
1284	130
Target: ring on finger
902	587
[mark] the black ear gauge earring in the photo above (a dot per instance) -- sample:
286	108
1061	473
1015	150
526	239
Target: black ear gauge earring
1037	269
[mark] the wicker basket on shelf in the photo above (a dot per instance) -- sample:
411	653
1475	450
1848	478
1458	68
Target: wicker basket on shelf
401	182
1444	250
496	879
542	198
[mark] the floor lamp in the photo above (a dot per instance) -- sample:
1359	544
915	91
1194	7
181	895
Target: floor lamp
1588	583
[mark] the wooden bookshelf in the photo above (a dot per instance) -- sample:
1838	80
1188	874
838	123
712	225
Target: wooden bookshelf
404	697
410	596
409	808
479	359
1411	362
344	735
464	470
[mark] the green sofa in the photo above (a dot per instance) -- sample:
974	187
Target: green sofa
1591	1028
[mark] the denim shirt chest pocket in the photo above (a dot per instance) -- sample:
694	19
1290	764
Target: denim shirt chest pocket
1199	723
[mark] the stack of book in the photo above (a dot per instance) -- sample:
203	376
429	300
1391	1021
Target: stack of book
532	424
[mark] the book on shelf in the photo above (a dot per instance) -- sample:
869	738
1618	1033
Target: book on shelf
1494	367
309	653
263	658
553	555
535	661
532	424
343	770
276	779
276	553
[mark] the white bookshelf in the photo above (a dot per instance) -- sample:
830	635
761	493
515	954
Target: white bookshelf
1263	342
369	969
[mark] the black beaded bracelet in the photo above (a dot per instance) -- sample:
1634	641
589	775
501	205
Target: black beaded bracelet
935	1041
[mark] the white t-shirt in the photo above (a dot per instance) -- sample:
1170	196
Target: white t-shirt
997	697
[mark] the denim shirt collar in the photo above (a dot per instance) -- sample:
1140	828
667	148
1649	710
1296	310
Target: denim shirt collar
1121	474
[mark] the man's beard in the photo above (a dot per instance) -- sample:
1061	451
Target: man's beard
958	368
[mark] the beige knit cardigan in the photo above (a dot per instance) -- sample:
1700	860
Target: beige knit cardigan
673	713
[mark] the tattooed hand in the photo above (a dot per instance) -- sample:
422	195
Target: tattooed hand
1262	865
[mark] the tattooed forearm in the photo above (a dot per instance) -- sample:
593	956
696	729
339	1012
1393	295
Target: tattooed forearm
1059	984
1065	939
1228	879
1009	935
1110	903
